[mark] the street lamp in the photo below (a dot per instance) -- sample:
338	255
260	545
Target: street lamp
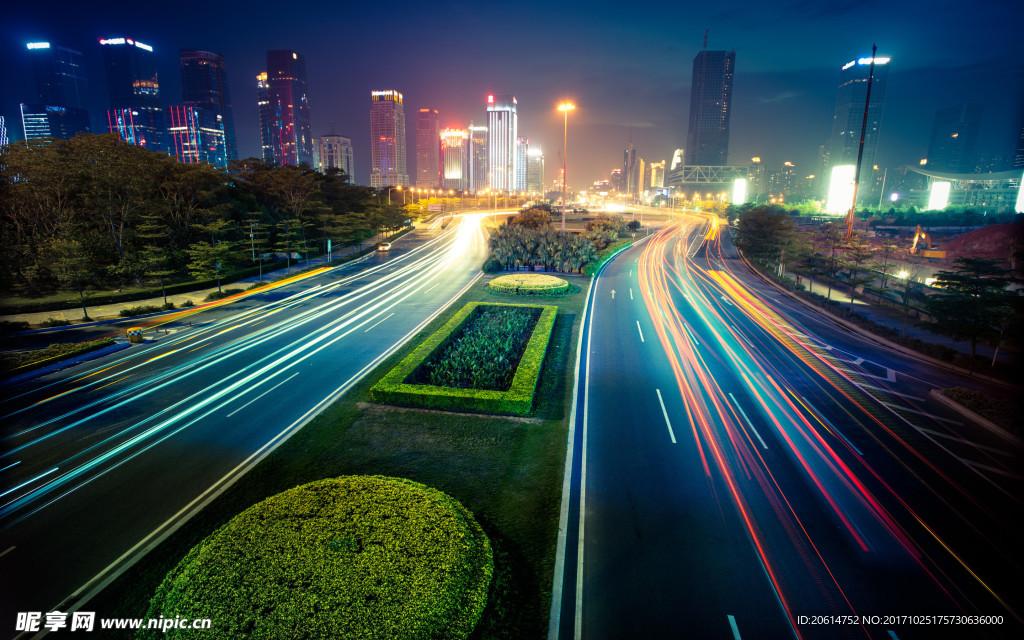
565	108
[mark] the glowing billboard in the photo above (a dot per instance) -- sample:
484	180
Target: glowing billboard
739	191
840	189
38	45
938	195
1019	207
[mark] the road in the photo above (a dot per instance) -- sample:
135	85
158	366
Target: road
104	458
744	468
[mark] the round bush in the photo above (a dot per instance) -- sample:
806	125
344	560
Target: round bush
351	557
529	284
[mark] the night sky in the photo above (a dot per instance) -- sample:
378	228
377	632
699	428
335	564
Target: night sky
625	65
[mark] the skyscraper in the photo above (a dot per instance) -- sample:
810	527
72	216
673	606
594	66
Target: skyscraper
522	153
336	151
204	84
502	131
52	121
629	170
289	128
657	175
263	104
387	140
136	114
707	139
428	149
4	141
535	170
954	138
197	135
844	142
455	158
478	175
59	74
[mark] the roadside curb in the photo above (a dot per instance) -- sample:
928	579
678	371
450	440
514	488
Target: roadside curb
64	364
873	336
975	418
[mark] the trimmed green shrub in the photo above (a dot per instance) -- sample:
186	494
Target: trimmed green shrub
529	284
395	388
351	557
492	265
128	312
218	295
54	322
19	361
603	256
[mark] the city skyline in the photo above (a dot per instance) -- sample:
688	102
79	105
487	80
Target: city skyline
782	108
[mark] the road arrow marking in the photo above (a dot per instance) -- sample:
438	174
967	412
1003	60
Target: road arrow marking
613	294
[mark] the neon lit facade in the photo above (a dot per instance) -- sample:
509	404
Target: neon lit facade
136	113
502	131
204	84
197	135
263	105
289	132
455	158
387	140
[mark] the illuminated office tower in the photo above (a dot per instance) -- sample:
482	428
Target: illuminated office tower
502	131
60	85
263	104
197	135
135	114
4	140
707	139
387	140
535	170
657	175
204	84
629	170
51	121
844	142
428	149
288	125
677	159
954	138
455	159
336	151
522	154
478	177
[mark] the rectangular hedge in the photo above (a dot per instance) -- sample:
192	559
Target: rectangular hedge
392	388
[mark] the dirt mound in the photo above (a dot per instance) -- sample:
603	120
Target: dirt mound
996	241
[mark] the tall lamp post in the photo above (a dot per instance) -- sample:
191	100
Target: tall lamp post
565	108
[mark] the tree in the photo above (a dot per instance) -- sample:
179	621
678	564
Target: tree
766	235
208	261
857	260
832	240
532	218
973	302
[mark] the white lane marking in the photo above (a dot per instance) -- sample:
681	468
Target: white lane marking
921	413
727	301
749	423
1002	472
735	629
631	293
425	290
641	332
890	374
889	391
262	394
671	434
821	416
858	361
965	441
8	551
386	317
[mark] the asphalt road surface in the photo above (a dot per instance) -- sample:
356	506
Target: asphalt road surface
104	458
744	468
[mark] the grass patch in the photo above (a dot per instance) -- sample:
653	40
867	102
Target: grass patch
20	361
508	472
1002	412
405	383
